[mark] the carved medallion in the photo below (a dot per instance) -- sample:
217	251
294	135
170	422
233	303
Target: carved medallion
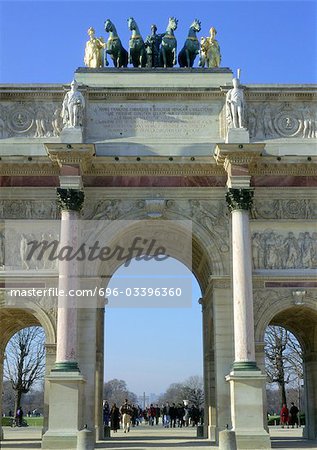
287	123
20	120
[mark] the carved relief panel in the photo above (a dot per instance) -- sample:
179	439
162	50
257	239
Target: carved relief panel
30	119
270	120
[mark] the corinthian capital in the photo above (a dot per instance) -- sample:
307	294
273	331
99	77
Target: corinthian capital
70	199
239	199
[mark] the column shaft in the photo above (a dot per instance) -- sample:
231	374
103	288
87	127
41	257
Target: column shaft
242	287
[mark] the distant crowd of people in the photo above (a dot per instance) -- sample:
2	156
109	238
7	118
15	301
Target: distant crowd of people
168	415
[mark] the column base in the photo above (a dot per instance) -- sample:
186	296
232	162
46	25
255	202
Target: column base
244	365
212	433
66	366
252	441
65	414
59	441
246	399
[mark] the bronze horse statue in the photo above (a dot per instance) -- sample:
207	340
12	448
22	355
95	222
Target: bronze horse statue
168	49
137	50
188	53
114	48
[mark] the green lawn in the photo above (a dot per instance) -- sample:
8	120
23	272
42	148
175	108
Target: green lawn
31	421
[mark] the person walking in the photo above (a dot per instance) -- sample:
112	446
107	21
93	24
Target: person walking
293	412
284	415
114	418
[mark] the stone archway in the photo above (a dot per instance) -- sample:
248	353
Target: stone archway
14	319
206	261
280	308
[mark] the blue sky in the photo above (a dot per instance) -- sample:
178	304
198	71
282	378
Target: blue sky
272	42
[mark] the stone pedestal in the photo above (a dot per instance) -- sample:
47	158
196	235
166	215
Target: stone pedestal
66	414
72	135
237	136
247	409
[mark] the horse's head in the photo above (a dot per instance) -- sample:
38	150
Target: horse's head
131	23
172	23
196	25
108	26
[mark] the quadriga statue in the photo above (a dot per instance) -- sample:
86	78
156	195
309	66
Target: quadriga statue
115	49
187	55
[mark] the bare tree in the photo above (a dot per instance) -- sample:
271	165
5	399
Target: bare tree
116	391
283	357
25	361
191	389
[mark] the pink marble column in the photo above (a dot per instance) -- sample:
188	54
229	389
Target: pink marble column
239	202
71	201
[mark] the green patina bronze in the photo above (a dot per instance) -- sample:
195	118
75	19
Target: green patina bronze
188	53
137	51
168	49
114	48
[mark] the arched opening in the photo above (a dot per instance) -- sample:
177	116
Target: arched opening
178	239
299	318
285	378
156	343
24	370
15	321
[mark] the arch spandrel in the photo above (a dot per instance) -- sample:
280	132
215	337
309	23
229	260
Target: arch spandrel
14	319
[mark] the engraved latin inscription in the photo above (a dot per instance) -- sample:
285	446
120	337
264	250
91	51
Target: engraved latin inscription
152	120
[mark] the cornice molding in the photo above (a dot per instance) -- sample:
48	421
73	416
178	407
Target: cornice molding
82	155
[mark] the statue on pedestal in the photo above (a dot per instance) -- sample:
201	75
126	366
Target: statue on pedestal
94	50
73	107
152	44
235	105
210	50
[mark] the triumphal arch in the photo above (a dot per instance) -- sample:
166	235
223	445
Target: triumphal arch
166	145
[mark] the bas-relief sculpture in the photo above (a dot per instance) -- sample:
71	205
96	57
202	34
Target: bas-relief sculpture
28	209
282	119
30	119
272	250
284	209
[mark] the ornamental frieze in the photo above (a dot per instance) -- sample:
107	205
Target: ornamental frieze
273	250
284	209
29	209
282	120
30	119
